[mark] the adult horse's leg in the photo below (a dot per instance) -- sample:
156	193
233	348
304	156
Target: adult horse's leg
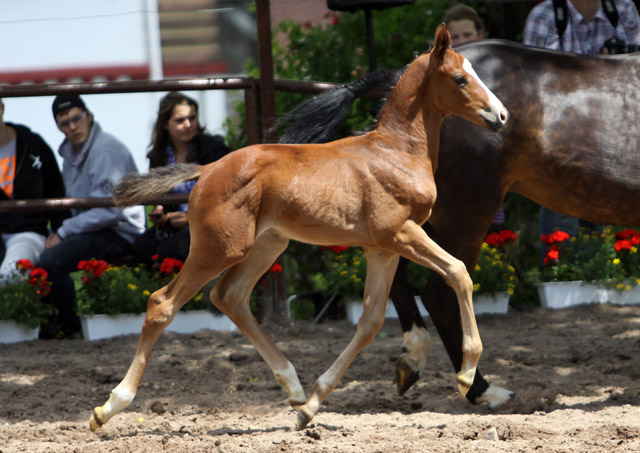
416	339
381	266
231	295
161	309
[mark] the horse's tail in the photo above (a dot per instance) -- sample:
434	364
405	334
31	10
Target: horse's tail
134	188
316	119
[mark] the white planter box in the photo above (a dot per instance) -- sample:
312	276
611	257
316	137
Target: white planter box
567	294
483	304
12	332
491	304
627	297
97	327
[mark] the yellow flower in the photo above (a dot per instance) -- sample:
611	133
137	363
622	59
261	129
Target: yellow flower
132	287
146	293
478	267
198	297
476	287
616	261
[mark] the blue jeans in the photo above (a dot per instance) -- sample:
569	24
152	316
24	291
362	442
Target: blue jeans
59	261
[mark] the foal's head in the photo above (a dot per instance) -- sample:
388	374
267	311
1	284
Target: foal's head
458	90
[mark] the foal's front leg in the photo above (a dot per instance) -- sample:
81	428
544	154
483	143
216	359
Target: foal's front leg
381	266
413	243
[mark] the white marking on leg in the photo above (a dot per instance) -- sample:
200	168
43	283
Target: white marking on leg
417	343
118	400
495	396
288	379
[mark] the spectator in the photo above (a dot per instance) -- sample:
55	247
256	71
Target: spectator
588	28
464	24
94	161
177	137
28	169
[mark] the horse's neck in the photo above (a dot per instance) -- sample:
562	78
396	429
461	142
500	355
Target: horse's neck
410	119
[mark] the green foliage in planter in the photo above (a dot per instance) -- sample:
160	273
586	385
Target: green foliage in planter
109	289
21	295
21	302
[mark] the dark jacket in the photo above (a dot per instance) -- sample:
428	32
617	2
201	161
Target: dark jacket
37	176
207	148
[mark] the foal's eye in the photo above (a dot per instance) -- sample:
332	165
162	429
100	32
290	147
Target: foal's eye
460	80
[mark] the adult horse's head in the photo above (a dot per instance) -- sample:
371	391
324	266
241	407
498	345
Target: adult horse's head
459	89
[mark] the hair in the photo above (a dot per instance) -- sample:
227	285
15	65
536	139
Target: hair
160	136
462	12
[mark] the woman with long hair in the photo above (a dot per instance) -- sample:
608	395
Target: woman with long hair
177	137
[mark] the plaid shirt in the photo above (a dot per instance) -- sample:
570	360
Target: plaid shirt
580	36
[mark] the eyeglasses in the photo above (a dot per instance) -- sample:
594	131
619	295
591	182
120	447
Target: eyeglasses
75	120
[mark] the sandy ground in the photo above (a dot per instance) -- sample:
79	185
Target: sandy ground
576	375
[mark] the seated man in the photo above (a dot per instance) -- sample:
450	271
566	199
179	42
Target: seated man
94	161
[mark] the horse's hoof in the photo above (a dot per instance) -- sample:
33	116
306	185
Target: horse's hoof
407	373
496	397
96	419
303	419
464	381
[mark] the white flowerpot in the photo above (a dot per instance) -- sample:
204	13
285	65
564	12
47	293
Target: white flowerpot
491	303
12	332
625	297
567	294
97	327
484	304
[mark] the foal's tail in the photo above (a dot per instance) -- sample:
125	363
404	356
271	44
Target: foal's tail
316	119
136	188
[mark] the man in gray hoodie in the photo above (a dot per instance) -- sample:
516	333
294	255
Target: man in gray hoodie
94	161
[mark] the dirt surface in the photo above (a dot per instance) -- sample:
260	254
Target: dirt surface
575	373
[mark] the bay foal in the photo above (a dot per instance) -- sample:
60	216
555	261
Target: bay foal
374	191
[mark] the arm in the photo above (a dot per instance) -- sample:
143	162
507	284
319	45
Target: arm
105	168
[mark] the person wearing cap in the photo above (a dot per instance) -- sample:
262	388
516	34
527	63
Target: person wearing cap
94	161
28	170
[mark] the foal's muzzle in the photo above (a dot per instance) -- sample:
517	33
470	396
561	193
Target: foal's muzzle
495	118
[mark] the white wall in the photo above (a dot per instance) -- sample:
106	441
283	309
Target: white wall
45	34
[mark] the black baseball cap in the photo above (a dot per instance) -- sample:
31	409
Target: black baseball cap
66	101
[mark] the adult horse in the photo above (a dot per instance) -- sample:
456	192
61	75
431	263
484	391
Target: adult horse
374	191
571	145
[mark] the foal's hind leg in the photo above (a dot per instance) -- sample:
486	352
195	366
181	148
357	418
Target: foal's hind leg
381	265
413	243
161	309
231	295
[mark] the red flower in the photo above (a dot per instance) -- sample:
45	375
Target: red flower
552	255
335	20
499	238
98	267
554	238
630	235
338	248
38	279
24	265
155	257
170	265
277	267
39	273
622	244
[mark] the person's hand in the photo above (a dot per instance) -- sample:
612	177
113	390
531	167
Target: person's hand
156	215
52	240
176	220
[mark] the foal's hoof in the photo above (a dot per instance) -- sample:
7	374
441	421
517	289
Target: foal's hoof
303	419
96	419
465	380
407	373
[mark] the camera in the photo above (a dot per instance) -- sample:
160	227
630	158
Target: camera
616	45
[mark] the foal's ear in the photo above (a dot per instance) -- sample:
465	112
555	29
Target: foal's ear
443	41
